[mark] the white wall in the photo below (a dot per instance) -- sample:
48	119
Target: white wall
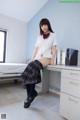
16	39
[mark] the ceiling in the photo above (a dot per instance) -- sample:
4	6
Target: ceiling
22	10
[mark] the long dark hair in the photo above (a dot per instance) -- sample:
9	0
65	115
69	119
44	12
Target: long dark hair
45	21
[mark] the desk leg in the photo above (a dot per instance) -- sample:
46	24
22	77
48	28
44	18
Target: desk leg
45	81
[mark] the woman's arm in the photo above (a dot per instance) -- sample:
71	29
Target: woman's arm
53	54
35	52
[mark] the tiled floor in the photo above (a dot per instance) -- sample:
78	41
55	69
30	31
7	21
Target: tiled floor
44	107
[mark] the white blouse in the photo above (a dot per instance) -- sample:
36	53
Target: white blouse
44	45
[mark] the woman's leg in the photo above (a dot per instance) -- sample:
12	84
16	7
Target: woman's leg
31	92
45	61
28	90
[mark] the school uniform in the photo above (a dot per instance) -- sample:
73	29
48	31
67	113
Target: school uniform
44	45
44	48
31	74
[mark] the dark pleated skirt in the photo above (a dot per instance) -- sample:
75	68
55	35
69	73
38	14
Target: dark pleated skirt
32	73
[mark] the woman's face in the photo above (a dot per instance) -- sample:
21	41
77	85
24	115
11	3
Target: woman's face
44	28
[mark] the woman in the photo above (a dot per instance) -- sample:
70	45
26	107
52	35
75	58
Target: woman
44	54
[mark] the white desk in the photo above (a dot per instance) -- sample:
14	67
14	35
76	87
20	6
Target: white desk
69	89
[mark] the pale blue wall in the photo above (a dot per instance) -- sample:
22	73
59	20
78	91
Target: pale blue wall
65	21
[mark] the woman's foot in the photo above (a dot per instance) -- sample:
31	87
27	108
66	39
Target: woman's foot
29	100
27	104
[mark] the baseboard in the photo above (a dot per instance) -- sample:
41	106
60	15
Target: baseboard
54	91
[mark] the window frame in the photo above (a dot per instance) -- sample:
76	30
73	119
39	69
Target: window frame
4	49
